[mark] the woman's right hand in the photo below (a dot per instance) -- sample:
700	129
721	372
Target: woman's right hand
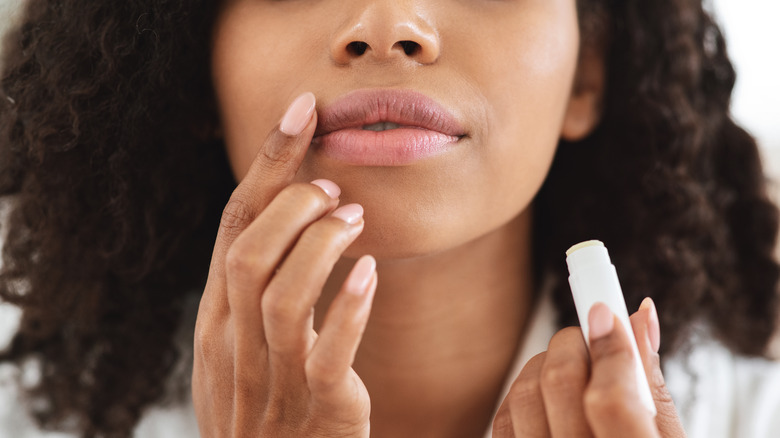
260	369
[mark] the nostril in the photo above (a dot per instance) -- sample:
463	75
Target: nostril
410	47
357	47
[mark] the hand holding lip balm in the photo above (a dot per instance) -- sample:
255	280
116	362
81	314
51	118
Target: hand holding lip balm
593	279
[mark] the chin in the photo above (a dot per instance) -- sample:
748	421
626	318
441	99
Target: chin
396	237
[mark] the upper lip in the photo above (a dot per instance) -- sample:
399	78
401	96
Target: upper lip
403	107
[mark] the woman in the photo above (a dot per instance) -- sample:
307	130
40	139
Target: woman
464	145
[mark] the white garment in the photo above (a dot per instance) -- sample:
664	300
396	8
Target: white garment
717	394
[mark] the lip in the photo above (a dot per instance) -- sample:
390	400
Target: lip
426	128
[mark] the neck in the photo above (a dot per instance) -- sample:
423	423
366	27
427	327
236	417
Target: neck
443	332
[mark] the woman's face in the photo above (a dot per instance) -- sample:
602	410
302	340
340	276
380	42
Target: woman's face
502	69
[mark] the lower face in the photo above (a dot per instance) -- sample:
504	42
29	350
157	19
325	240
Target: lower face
502	69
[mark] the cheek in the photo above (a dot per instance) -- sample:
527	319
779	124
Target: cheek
526	74
254	56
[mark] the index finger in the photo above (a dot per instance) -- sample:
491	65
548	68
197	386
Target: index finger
273	168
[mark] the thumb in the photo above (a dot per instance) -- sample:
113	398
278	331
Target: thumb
648	337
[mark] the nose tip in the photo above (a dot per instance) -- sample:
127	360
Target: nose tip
382	36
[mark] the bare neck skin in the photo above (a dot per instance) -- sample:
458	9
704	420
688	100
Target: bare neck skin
443	332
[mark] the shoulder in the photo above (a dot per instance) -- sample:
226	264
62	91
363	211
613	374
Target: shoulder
720	394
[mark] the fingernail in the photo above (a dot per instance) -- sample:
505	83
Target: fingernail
600	320
298	114
328	187
361	275
653	326
350	213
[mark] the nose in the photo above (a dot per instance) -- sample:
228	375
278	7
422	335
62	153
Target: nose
385	30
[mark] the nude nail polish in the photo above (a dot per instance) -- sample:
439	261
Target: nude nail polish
361	275
653	325
350	213
328	187
298	114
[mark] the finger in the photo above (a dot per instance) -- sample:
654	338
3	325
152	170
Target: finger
252	259
648	336
289	299
563	380
249	276
273	168
522	414
612	403
333	354
257	252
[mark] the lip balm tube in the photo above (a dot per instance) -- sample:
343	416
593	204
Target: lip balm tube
593	279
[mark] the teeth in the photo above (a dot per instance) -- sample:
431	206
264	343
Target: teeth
381	126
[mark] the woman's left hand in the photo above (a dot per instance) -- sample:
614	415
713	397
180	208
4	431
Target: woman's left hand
564	392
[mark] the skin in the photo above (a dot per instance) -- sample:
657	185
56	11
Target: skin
284	344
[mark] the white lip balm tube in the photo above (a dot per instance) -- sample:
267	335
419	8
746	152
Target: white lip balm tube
593	279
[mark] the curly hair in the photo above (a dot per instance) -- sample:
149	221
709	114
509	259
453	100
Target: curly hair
115	186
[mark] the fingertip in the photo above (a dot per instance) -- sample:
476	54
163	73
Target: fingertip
653	324
298	114
362	276
329	187
350	213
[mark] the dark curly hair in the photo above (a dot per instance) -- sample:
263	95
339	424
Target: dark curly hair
114	185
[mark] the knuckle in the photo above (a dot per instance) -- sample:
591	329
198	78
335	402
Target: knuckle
614	350
524	392
244	263
562	376
502	425
305	196
278	309
206	345
277	156
236	260
607	400
321	375
658	387
236	216
568	334
325	233
661	394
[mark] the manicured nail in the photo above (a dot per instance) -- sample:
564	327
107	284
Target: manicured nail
298	114
361	275
653	326
328	187
350	213
600	320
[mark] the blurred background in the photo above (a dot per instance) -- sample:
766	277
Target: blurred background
753	38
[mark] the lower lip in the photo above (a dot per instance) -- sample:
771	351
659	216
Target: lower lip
394	147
